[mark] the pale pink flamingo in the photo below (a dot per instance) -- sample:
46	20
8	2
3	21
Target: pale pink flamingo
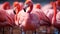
32	19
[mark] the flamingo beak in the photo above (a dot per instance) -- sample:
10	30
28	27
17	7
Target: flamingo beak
25	7
14	10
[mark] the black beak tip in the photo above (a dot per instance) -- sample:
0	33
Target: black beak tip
24	10
14	11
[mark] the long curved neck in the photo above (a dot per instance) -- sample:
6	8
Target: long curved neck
17	10
30	9
55	11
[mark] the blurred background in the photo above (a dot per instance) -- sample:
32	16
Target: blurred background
35	1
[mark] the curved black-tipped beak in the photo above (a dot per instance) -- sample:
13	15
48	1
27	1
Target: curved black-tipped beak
14	10
25	7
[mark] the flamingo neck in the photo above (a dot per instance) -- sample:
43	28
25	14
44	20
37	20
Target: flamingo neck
17	11
55	11
30	9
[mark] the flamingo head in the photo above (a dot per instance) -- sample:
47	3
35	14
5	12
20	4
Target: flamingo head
18	6
58	2
29	4
6	5
38	6
52	3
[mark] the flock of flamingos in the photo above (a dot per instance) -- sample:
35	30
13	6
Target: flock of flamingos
29	16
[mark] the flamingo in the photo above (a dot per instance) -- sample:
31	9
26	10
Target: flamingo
27	20
5	19
9	20
55	19
49	12
58	4
30	20
38	6
46	7
18	7
5	6
11	13
8	12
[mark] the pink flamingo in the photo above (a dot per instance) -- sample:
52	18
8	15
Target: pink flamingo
18	7
5	19
58	4
38	6
30	20
49	12
55	20
5	6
